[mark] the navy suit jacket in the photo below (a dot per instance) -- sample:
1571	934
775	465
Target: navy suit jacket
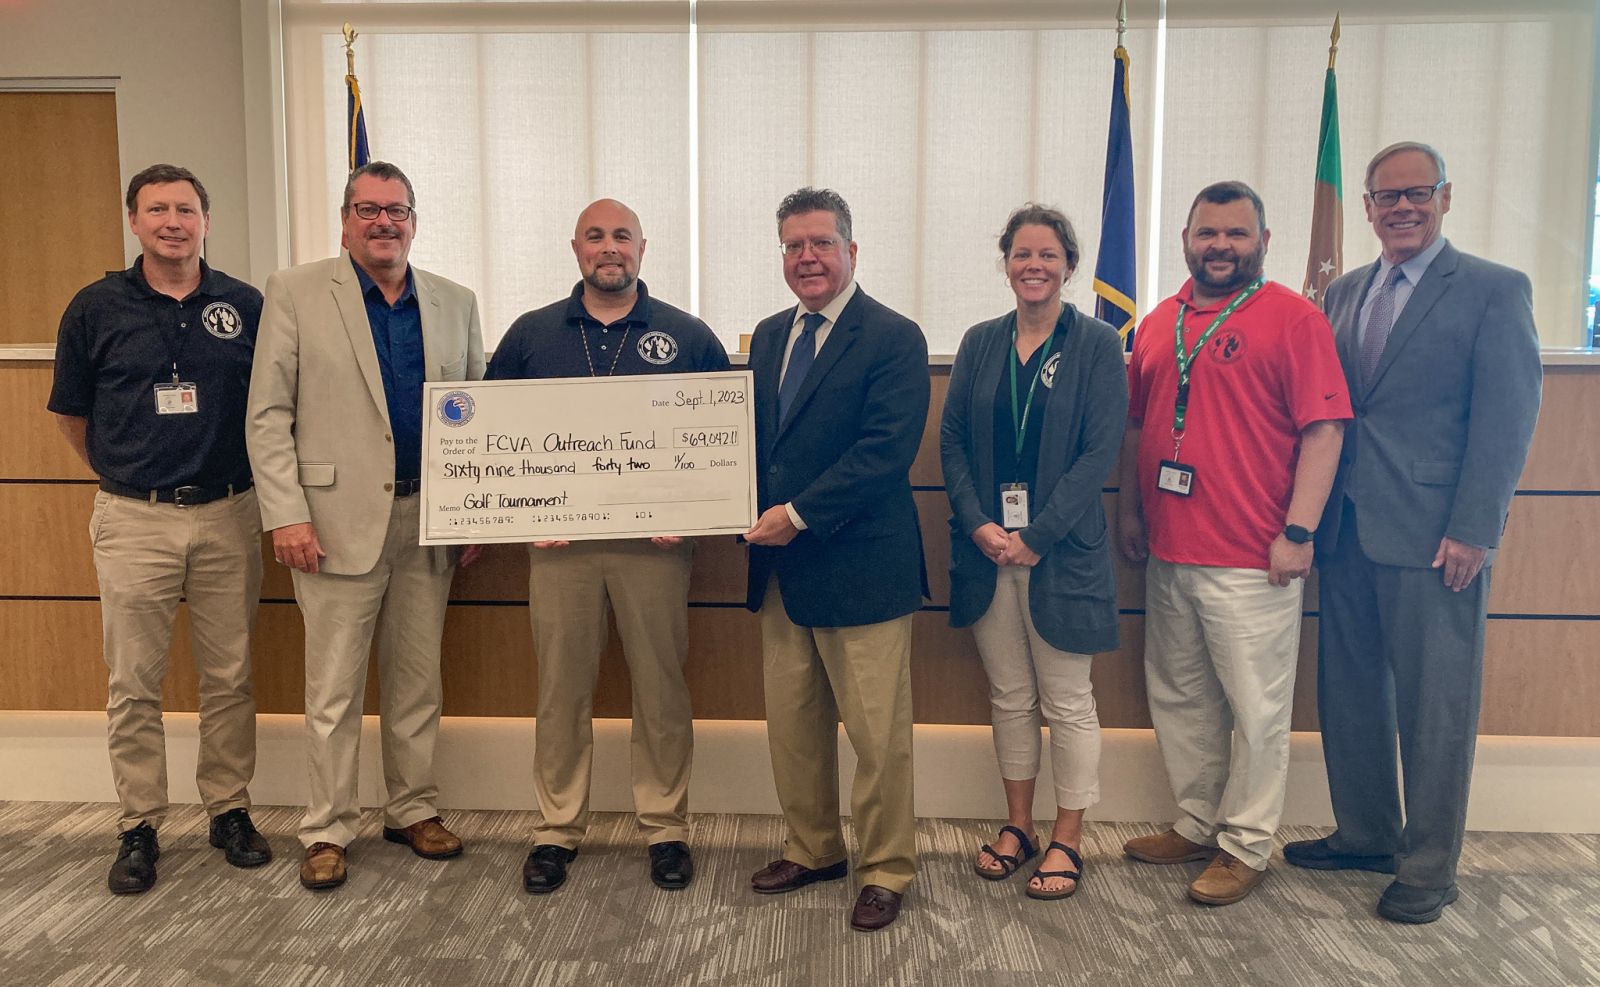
1442	430
842	458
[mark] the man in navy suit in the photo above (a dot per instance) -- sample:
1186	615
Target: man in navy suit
836	571
1442	361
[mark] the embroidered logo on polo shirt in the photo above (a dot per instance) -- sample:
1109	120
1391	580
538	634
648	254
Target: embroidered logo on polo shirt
1047	373
222	320
456	408
658	348
1226	346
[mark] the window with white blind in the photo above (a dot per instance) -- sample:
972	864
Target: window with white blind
934	119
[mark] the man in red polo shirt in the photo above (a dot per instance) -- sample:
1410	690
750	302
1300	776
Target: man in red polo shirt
1236	415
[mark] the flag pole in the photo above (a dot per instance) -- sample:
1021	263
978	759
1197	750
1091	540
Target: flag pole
1333	42
357	153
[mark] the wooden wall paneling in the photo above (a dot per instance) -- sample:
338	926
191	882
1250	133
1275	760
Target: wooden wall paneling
501	574
1561	458
488	663
925	470
52	655
1541	678
60	217
1545	564
34	448
44	543
719	571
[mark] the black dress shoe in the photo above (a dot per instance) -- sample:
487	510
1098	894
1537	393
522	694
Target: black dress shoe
135	869
671	867
546	868
875	908
786	875
1413	905
1320	855
235	835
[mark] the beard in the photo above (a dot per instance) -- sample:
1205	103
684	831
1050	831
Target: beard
609	282
1246	268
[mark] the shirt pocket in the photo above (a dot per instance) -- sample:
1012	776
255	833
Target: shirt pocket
316	474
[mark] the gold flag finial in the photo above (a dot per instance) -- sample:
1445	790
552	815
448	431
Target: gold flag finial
1122	21
1333	42
350	36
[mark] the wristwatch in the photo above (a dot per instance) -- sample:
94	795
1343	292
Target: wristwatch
1298	534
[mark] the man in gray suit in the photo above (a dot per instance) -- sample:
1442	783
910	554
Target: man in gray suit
1443	364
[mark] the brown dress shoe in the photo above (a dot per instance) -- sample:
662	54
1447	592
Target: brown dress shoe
427	838
875	908
323	866
786	875
1167	848
1226	881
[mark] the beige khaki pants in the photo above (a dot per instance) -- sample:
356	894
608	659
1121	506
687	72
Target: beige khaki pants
814	677
147	556
1220	651
1028	677
402	601
571	591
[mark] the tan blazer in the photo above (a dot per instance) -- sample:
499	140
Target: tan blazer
318	425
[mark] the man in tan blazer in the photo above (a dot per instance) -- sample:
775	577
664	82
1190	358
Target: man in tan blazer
335	438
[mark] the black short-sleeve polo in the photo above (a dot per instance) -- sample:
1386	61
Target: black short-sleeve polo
120	338
563	340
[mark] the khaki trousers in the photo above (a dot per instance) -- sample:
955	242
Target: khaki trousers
570	591
147	556
402	600
1221	646
1027	677
814	677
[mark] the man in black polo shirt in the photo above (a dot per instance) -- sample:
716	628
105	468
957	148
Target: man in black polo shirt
152	368
609	326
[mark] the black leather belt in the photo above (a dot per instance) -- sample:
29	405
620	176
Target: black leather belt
405	488
185	496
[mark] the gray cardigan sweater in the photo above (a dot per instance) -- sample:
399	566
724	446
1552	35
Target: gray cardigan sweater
1072	591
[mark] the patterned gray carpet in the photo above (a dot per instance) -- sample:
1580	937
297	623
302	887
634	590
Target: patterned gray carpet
1529	914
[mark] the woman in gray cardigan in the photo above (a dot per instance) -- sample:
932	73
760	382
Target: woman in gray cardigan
1032	426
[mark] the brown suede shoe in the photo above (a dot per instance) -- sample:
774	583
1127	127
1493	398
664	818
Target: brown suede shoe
875	909
1226	881
427	838
323	866
1167	848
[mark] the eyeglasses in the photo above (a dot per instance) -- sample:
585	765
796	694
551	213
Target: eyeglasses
1416	194
818	245
370	210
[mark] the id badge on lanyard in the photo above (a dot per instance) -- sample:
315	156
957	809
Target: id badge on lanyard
1174	476
177	398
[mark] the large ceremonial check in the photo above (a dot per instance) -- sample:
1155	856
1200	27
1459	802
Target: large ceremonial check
580	458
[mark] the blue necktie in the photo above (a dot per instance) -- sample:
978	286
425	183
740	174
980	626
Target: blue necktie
801	358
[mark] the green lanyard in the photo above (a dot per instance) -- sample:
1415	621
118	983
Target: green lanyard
1186	357
1019	417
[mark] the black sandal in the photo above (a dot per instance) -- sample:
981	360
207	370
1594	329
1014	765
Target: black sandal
1008	862
1075	876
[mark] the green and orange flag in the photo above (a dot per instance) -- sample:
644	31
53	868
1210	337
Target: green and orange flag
1326	260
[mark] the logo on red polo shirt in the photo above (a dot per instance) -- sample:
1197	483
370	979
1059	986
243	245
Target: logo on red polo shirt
1226	346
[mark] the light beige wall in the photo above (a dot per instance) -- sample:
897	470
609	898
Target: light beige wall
180	94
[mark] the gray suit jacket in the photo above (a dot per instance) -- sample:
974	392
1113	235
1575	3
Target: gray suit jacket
1072	591
1441	433
318	425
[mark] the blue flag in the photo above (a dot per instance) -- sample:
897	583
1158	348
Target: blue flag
1116	274
359	154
